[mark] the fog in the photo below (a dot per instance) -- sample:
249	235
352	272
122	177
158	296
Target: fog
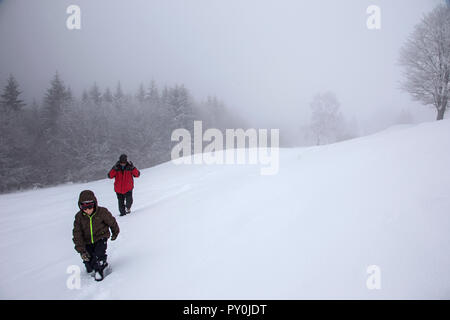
264	59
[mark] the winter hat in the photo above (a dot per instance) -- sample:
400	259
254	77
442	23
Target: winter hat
123	158
87	195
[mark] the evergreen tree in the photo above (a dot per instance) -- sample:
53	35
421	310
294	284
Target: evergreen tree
85	97
56	99
181	106
53	147
118	95
10	98
140	95
165	95
95	95
69	95
153	93
107	96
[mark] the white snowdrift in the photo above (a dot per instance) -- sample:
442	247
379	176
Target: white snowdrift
227	232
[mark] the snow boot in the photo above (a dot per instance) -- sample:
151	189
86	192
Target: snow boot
98	275
89	269
102	264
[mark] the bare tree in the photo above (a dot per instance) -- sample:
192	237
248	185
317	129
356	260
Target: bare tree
426	60
326	119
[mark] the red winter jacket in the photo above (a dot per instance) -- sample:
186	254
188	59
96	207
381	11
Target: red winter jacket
124	178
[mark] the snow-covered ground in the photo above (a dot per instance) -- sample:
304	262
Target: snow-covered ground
227	232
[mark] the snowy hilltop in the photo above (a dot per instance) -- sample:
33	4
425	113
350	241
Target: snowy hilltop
316	229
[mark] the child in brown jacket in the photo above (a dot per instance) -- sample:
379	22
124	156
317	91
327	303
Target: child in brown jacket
91	233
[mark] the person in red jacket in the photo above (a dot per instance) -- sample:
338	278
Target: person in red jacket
123	172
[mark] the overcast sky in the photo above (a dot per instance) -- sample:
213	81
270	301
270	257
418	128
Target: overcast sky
266	59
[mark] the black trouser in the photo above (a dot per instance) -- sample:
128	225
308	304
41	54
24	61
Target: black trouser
97	251
125	200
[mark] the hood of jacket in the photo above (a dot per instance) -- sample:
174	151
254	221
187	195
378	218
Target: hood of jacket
87	195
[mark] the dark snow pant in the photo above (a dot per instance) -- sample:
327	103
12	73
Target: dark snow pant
97	251
125	200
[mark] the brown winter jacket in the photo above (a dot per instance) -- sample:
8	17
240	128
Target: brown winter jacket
88	229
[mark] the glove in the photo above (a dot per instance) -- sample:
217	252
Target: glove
113	237
131	165
85	256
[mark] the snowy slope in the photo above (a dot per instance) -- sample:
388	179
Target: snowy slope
227	232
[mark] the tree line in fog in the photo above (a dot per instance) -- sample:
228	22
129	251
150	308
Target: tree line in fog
65	138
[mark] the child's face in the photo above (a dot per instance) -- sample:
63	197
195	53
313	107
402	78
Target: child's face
89	211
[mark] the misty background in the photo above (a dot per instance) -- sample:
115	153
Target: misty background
263	62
